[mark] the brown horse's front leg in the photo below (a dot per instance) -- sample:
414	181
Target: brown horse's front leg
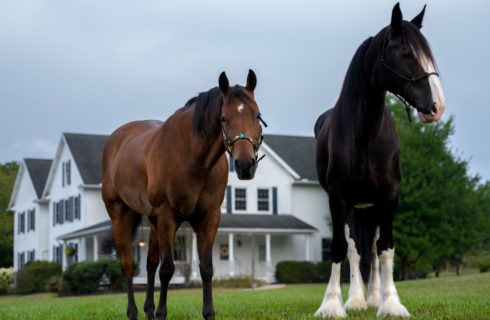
206	233
166	233
152	262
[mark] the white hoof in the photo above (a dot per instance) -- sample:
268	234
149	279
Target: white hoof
356	302
392	307
331	309
374	300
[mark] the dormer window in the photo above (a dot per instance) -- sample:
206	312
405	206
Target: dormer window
66	173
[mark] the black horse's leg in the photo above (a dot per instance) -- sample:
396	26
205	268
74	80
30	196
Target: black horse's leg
331	306
206	233
152	262
122	223
390	302
166	233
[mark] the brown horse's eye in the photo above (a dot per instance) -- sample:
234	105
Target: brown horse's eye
223	119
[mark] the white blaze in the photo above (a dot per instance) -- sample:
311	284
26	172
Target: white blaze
240	108
435	85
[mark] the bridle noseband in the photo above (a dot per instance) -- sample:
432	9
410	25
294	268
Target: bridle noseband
405	77
244	136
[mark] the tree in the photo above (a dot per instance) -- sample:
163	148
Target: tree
8	172
440	203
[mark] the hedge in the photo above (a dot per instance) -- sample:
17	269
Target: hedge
35	275
307	272
88	276
6	278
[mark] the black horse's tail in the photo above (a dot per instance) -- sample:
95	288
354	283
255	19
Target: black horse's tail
108	246
364	229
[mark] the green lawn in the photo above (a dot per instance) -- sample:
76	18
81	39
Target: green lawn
451	297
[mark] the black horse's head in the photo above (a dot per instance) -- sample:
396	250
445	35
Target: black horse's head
407	66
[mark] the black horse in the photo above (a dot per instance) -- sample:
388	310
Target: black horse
358	160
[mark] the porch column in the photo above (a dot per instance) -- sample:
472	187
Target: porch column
268	263
307	247
96	248
231	257
194	265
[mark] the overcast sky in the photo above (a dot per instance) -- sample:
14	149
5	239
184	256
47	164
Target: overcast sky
90	66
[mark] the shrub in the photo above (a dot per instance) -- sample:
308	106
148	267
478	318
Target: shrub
6	278
34	276
484	265
53	283
86	277
308	272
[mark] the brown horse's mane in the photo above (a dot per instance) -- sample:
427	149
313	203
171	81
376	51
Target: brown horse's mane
206	115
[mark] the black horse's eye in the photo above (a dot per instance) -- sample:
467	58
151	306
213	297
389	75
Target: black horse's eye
223	119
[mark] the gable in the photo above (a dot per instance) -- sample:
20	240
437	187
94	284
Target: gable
38	170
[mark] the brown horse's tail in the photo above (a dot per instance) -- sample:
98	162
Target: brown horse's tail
108	246
364	225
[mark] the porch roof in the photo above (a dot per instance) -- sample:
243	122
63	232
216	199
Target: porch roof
249	223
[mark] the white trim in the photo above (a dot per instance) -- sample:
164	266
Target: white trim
265	231
90	186
18	181
281	162
233	197
306	182
269	198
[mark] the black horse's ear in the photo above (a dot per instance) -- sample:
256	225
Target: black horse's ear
251	80
418	19
396	18
224	84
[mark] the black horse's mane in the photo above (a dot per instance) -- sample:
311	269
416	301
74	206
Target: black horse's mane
206	115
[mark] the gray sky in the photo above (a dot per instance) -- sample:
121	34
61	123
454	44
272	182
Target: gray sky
90	66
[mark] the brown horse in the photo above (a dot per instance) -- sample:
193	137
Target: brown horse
176	171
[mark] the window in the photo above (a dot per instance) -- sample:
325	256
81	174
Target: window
22	222
21	259
180	248
326	249
240	199
66	173
263	200
57	254
31	255
32	219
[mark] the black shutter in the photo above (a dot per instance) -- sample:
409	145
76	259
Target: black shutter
33	219
62	211
274	200
68	172
228	199
231	163
63	174
71	208
54	213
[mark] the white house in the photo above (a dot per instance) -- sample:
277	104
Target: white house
280	215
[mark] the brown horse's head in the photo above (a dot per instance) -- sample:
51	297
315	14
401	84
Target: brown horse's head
240	122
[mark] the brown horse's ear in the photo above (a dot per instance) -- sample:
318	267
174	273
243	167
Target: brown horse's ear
224	84
251	80
418	19
396	18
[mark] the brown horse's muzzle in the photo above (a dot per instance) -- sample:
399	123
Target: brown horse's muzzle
245	167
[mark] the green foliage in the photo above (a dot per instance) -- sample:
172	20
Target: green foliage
307	272
443	212
34	276
87	276
8	172
53	284
6	278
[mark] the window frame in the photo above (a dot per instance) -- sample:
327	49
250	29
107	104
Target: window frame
234	199
269	200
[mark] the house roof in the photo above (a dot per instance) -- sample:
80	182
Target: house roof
87	152
38	171
298	152
256	222
263	221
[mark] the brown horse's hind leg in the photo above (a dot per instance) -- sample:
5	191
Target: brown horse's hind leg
151	267
166	233
123	219
206	233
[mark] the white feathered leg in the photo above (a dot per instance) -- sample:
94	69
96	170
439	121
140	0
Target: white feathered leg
331	306
356	299
390	305
374	285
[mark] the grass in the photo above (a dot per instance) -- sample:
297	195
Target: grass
450	297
